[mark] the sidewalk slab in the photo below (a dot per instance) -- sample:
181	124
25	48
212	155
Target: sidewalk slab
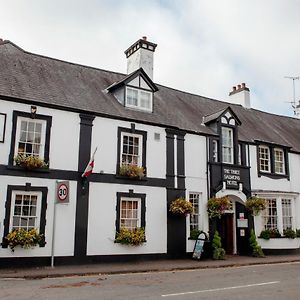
143	266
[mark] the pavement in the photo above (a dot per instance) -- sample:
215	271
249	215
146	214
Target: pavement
143	266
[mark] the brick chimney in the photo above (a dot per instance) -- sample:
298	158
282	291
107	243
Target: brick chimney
240	94
140	55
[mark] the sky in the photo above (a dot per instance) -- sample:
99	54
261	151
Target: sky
205	47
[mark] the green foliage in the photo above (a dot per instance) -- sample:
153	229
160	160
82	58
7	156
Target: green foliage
24	238
180	206
255	205
270	233
256	249
216	206
194	234
218	251
133	237
289	233
30	162
298	233
132	171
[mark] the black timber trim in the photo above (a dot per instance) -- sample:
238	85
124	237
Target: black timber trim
16	115
170	176
132	130
272	173
82	199
4	127
180	161
24	188
131	194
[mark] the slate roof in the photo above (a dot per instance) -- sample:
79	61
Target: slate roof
33	77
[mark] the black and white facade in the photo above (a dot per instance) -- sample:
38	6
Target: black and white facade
188	145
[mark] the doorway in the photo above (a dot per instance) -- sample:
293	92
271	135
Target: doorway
225	228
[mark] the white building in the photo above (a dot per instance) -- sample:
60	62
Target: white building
188	145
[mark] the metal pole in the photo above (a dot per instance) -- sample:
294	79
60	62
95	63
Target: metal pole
53	232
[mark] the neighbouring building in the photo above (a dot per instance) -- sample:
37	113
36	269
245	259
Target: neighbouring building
187	146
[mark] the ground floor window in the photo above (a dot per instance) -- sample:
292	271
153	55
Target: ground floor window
278	213
194	198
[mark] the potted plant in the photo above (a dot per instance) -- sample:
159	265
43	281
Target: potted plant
24	238
132	171
181	206
133	237
216	207
298	233
30	162
255	205
270	233
289	233
218	251
256	249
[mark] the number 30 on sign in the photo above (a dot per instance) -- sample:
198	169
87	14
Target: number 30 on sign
62	192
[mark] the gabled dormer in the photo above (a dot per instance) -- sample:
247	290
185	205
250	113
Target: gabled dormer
225	148
135	91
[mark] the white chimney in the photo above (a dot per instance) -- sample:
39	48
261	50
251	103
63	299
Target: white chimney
240	94
140	55
297	110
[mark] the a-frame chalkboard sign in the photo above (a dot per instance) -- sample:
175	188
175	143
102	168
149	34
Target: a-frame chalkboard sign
198	249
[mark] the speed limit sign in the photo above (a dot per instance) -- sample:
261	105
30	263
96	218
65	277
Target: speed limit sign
62	192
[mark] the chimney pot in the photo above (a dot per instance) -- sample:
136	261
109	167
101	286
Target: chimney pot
144	38
234	88
239	86
243	84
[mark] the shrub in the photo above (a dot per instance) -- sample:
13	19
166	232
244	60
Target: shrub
217	206
133	237
298	233
24	238
270	233
256	249
289	233
218	251
194	234
255	205
30	162
180	206
132	171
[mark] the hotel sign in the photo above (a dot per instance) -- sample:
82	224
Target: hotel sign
232	177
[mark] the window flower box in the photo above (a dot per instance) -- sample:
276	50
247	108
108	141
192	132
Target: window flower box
133	237
181	206
30	162
132	171
279	243
26	239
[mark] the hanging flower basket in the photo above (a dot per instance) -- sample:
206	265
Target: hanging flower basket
255	205
216	207
132	171
181	206
24	238
133	237
30	162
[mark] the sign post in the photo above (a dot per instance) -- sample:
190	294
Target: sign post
61	197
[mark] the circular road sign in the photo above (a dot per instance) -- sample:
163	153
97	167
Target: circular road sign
62	192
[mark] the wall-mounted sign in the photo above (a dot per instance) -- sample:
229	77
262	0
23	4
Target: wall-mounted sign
62	192
242	232
2	127
242	223
232	177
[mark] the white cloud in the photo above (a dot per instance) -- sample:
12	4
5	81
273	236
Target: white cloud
204	46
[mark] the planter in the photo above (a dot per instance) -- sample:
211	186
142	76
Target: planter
30	162
132	171
181	207
279	243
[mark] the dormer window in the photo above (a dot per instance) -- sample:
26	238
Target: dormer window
137	98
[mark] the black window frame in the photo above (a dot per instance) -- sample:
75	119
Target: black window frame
130	194
24	188
4	127
16	115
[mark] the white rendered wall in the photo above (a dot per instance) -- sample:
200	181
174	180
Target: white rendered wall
102	217
105	137
64	140
65	219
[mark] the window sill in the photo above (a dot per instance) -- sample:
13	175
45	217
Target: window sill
17	168
273	175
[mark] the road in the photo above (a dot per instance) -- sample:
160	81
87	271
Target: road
280	281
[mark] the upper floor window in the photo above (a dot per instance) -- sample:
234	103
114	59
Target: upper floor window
264	159
227	145
30	136
279	161
131	149
137	98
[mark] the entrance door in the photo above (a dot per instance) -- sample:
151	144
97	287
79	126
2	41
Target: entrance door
225	228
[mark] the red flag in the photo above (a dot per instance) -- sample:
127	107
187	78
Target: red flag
89	168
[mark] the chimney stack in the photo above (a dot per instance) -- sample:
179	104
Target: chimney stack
140	55
240	94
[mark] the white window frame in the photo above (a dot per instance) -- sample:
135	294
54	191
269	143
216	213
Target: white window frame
140	147
287	213
38	207
215	151
138	217
227	146
43	135
197	224
262	167
277	162
139	99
